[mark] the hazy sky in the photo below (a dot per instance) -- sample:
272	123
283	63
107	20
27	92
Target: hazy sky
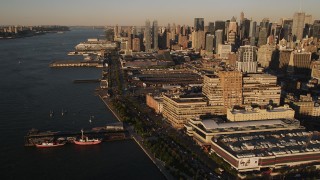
135	12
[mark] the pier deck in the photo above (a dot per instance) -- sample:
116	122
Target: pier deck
74	63
35	136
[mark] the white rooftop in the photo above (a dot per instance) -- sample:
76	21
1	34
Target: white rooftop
212	124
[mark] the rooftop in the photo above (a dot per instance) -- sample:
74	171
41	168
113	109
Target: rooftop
262	144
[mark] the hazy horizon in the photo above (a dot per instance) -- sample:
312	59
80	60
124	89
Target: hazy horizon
128	13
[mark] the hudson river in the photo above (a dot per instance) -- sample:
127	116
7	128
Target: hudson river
29	90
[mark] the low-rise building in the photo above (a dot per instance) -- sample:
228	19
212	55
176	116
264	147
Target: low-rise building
253	114
252	145
305	106
203	131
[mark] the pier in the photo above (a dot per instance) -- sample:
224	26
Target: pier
74	63
108	133
87	81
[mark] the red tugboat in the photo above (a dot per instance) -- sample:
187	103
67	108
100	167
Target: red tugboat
84	140
49	144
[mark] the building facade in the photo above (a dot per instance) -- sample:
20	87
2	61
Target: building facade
254	114
155	102
298	25
265	55
315	72
147	36
247	59
260	89
178	109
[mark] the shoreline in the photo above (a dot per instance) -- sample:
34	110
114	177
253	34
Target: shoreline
136	138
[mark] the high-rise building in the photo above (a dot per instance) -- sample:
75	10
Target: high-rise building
262	37
241	17
284	58
300	63
211	27
316	29
155	35
134	31
308	19
116	29
298	25
212	89
199	24
219	39
253	25
231	83
198	40
245	29
147	36
247	59
178	30
287	28
136	45
233	26
209	42
183	41
129	46
265	54
260	89
220	25
264	23
173	33
224	90
232	36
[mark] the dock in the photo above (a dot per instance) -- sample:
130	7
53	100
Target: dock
87	81
35	136
74	63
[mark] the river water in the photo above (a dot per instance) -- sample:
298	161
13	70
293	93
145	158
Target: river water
29	90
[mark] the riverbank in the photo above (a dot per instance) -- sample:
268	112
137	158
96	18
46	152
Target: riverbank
138	139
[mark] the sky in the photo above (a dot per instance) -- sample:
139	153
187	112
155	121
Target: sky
135	12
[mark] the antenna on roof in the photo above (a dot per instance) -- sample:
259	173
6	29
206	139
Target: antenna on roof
300	5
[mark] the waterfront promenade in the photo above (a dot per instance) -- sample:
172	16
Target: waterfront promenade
138	139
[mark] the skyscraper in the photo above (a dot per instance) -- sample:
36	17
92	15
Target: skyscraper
209	42
136	45
316	29
287	28
265	54
147	36
262	37
198	40
241	17
155	35
264	23
211	27
199	24
298	25
129	45
219	40
300	62
245	28
308	19
220	25
233	26
253	25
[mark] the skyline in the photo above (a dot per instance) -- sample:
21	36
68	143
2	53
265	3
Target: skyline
126	12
